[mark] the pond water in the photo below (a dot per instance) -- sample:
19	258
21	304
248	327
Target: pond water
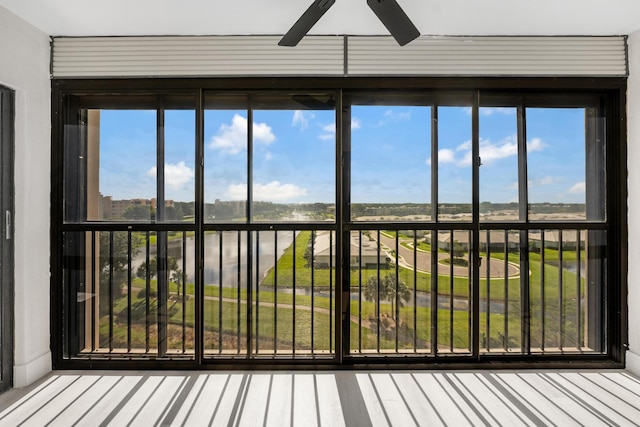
231	260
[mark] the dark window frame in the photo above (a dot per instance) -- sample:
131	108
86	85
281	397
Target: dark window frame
7	146
610	90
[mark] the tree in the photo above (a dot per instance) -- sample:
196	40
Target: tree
458	249
139	212
114	263
387	289
152	269
178	278
173	269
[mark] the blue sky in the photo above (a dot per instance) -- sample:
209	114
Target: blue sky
294	158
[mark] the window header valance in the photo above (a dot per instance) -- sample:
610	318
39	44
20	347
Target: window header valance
208	56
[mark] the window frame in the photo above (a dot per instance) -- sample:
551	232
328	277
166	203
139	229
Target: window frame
611	92
7	257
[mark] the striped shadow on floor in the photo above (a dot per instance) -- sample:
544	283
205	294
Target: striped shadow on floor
346	398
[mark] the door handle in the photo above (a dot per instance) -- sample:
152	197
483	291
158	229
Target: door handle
7	225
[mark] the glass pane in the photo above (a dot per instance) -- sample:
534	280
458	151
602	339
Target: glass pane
115	277
225	289
454	164
499	164
126	148
556	163
294	165
453	292
500	301
225	160
110	159
179	167
567	290
384	294
390	163
294	301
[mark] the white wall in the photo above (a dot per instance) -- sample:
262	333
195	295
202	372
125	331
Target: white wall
633	119
24	67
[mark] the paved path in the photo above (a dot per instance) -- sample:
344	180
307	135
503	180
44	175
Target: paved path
423	258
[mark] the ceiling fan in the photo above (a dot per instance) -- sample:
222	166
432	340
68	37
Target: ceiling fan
387	11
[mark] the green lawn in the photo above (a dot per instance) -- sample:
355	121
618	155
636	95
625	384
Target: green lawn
224	323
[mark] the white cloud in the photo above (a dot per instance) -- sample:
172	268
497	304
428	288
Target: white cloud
175	176
578	188
512	186
301	118
232	139
328	132
271	192
490	152
391	116
535	144
545	180
465	146
446	156
397	117
237	191
489	111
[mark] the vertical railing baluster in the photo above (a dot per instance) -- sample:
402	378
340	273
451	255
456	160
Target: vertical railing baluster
238	282
184	290
415	291
95	308
379	248
129	291
257	299
542	293
451	290
359	291
212	312
238	292
147	304
293	279
506	290
434	291
578	294
220	278
488	290
275	292
331	309
397	297
110	291
561	290
313	292
470	331
162	293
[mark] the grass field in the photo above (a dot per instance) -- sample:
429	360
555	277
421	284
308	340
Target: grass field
306	323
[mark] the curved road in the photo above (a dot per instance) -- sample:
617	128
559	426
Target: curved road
406	258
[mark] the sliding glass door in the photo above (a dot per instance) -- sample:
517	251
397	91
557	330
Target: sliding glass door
205	228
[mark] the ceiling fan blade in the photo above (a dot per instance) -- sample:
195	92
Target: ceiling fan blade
305	22
394	18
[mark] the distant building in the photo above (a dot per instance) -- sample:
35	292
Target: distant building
112	209
365	254
496	240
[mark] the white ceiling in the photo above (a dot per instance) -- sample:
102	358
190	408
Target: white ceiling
232	17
